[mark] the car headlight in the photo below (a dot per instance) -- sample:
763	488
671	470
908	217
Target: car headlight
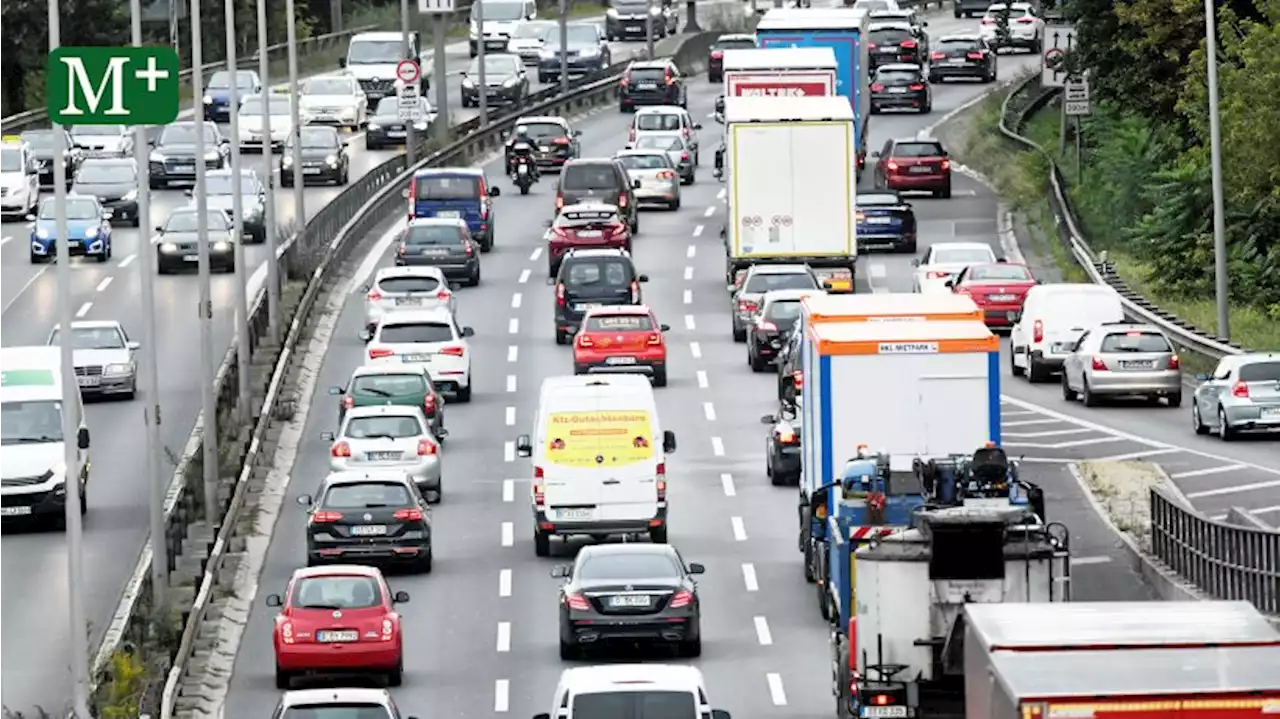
156	156
208	100
332	160
221	246
117	369
468	82
287	160
168	247
509	82
373	126
91	232
589	51
611	12
130	196
42	233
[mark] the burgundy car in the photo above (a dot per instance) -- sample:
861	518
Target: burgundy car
585	227
912	164
998	289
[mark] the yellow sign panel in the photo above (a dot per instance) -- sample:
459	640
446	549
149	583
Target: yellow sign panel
599	439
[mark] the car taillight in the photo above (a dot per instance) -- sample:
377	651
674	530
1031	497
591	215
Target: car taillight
1174	362
786	436
877	87
666	175
891	166
747	306
917	87
584	340
880	700
907	44
470	250
408	515
559	202
972	55
859	215
662	484
936	275
348	401
560	295
631	135
871	46
682	598
400	249
453	351
413	192
1037	331
539	493
326	517
561	141
684	157
937	56
717	55
430	404
764	326
374	295
946	164
1239	389
622	201
617	228
670	80
624	82
1098	365
686	133
655	339
426	448
797	379
577	602
635	292
341	449
443	295
1025	20
380	352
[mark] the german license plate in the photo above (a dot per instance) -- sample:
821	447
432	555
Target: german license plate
883	712
590	233
544	148
629	600
382	456
584	306
1270	412
338	636
920	170
647	86
449	213
184	168
1002	298
191	258
573	514
879	220
620	360
408	301
15	511
88	381
369	530
396	133
897	90
415	358
311	171
1137	364
435	252
633	28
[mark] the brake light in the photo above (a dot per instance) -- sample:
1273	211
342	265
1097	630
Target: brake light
413	192
631	135
443	295
1098	365
717	55
635	292
427	448
1174	362
684	157
936	275
880	700
470	250
682	598
622	201
1025	20
537	474
946	164
561	141
401	249
937	55
374	295
797	379
907	44
766	326
617	228
341	449
559	202
539	494
685	132
326	517
786	436
669	78
348	402
430	404
917	87
1037	331
871	46
453	350
747	306
655	339
662	485
560	295
408	515
584	340
891	166
877	87
577	602
972	55
1239	389
666	175
625	81
380	352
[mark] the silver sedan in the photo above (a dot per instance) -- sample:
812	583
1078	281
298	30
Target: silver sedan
659	180
388	437
104	358
1243	393
1122	360
676	147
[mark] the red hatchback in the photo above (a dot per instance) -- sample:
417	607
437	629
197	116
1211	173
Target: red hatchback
623	338
585	226
998	289
914	165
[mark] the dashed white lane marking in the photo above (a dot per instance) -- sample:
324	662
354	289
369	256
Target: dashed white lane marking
696	350
693	250
504	583
537	252
1082	561
726	481
688	322
688	297
710	211
697	232
504	636
513	325
508	490
509	452
749	577
739	529
104	284
688	273
127	261
720	195
1210	470
702	379
776	692
513	352
508	534
717	446
511	416
84	309
524	275
511	383
501	695
762	631
1136	455
1237	489
5	240
709	410
515	301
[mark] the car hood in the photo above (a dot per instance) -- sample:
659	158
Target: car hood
525	43
32	460
249	204
94	358
315	153
328	100
100	142
182	150
632	13
75	228
500	27
13	180
373	71
183	237
104	190
254	123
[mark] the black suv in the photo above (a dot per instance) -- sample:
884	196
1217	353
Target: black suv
593	277
599	180
651	82
788	363
962	56
893	43
173	154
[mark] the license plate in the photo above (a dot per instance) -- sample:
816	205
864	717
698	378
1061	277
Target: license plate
435	253
920	170
522	170
1270	412
647	86
369	530
449	213
590	233
415	358
544	149
879	220
311	171
184	168
88	381
15	511
408	301
396	133
633	28
955	62
629	600
343	636
1003	298
888	49
191	258
898	90
1137	364
584	306
620	360
575	513
882	712
382	456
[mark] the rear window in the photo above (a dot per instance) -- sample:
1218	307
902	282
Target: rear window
336	711
589	177
409	284
336	591
1260	372
659	142
1135	342
447	188
897	77
645	162
641	565
634	705
586	219
388	385
957	45
433	235
918	149
889	36
734	44
598	272
648	74
383	427
367	496
620	323
999	272
655	122
764	282
416	333
544	130
784	310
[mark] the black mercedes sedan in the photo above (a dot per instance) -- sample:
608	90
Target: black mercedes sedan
41	143
173	154
178	241
114	183
324	157
376	517
632	593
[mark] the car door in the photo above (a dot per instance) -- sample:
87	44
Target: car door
1209	393
1073	365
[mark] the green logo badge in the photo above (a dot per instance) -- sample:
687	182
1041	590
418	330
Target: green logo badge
112	85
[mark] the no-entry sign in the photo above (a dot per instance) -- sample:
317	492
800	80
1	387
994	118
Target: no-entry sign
407	71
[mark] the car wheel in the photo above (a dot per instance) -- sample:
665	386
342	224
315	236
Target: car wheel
424	564
135	222
739	335
660	377
284	679
658	535
690	648
776	478
395	677
475	278
542	548
1090	399
569	652
464	394
1225	432
562	337
1036	372
935	80
757	362
675	205
1197	422
1014	369
1067	393
1175	399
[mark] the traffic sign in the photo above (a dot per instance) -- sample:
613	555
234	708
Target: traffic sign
435	6
1058	40
408	72
409	105
1076	100
1078	108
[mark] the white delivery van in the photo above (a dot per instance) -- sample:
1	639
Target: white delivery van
1052	320
33	473
632	690
599	460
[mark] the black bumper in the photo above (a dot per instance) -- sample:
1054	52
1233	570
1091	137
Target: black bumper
122	210
451	271
672	625
948	72
612	527
641	98
905	101
895	243
175	262
362	551
785	462
40	506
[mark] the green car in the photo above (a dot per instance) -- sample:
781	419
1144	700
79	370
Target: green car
393	383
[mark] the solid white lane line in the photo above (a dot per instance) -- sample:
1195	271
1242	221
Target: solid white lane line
776	692
537	252
504	636
739	529
762	631
508	490
511	416
726	481
508	534
717	447
511	383
512	353
696	350
501	695
126	261
1252	486
1210	470
509	452
697	231
702	379
688	297
1072	443
515	301
688	273
504	583
709	410
689	322
524	275
1136	455
710	211
693	250
513	326
749	577
104	284
84	309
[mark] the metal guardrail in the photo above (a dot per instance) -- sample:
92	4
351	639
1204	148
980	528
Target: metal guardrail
1183	334
321	250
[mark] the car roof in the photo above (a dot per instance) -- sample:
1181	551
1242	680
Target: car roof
619	310
92	324
902	66
342	695
641	151
737	36
1131	326
502	55
963	246
339	570
354	477
410	271
631	677
408	317
662	110
437	221
589	161
889	25
966	36
632	548
112	161
383	410
390	368
1011	6
649	64
586	253
377	35
778	269
556	119
449	171
918	139
784	295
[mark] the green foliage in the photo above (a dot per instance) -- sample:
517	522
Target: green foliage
123	692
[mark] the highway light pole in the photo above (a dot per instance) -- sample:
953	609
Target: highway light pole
209	409
237	219
564	46
407	51
295	117
150	369
1220	281
482	88
268	179
648	30
441	123
70	426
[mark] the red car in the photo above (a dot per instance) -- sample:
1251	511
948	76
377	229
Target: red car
998	289
621	338
912	164
338	619
585	226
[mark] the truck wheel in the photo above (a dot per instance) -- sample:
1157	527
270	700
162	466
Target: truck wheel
808	557
824	602
542	545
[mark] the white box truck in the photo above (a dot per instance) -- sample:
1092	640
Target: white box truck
789	166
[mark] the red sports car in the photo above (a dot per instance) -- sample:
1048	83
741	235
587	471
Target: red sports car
621	338
338	619
585	227
998	289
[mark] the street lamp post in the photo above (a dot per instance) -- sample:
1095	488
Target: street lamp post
1220	280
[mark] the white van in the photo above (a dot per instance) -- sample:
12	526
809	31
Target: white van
632	690
599	459
33	474
1053	318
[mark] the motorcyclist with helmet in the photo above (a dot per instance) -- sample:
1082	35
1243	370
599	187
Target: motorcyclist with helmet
521	148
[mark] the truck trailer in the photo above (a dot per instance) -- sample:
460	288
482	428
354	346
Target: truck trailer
780	72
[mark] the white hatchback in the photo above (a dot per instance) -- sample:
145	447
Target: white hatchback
417	287
431	337
1026	30
394	437
666	120
943	260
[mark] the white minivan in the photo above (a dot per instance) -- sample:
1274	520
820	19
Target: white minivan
610	691
599	460
32	449
1053	318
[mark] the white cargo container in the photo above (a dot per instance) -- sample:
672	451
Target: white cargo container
780	72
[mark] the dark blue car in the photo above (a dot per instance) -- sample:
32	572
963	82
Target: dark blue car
885	222
217	92
462	193
88	230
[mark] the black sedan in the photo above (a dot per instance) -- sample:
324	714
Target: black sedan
324	157
778	314
368	518
385	127
173	154
114	183
629	592
715	63
957	56
41	143
900	87
782	447
585	53
505	81
885	221
442	242
178	241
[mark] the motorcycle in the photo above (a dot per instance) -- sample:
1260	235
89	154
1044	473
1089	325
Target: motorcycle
524	174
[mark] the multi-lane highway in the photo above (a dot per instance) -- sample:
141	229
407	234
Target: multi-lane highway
35	660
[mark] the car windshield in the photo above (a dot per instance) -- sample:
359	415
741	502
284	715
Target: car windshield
185	134
321	137
658	122
533	31
38	139
336	710
279	105
78	208
589	177
620	323
388	385
221	80
1016	273
645	162
897	77
328	86
783	311
375	52
578	35
878	199
409	284
958	256
1260	372
609	272
918	149
416	333
188	221
638	565
11	160
92	338
367	495
659	142
225	184
500	11
337	592
438	235
1135	341
383	427
497	65
93	173
765	281
97	130
31	422
647	704
447	188
889	36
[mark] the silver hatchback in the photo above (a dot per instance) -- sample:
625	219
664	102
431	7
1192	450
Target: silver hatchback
659	182
420	287
1242	394
1122	359
676	147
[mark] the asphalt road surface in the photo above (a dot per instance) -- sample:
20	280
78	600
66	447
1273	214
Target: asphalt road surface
482	628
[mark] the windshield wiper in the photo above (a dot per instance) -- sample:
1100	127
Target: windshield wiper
375	390
320	606
30	440
379	436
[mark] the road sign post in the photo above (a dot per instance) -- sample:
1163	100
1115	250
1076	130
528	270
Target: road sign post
112	85
440	10
1058	42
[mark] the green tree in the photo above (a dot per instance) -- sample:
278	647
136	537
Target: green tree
25	41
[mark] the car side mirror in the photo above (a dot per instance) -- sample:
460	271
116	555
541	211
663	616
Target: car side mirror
577	133
304	500
541	716
950	283
668	441
400	597
133	345
1002	259
366	335
524	446
561	571
159	228
82	438
1202	377
345	143
337	391
635	184
642	278
274	600
342	62
494	191
695	568
720	714
768	419
468	332
924	24
664	328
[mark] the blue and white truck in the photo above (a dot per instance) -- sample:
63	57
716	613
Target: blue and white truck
844	30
